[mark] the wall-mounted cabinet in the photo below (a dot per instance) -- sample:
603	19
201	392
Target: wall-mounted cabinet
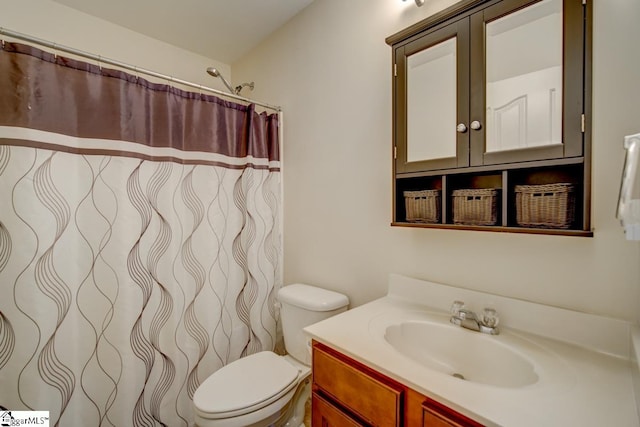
494	95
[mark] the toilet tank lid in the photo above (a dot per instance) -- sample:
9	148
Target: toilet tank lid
312	298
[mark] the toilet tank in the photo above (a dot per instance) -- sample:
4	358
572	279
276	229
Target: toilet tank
301	306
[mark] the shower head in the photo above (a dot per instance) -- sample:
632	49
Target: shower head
215	73
212	71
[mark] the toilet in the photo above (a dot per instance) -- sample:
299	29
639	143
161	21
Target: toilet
265	389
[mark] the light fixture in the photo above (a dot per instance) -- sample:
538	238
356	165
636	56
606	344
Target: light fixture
418	2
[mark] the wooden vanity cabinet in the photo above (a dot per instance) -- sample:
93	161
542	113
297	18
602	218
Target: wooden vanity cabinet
325	414
366	396
347	393
434	414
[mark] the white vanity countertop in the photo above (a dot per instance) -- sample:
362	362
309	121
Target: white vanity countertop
588	387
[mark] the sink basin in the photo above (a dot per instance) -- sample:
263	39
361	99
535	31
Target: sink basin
463	354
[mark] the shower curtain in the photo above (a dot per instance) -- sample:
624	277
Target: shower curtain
139	240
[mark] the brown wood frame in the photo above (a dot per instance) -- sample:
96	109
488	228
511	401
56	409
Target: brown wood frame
577	143
331	411
459	31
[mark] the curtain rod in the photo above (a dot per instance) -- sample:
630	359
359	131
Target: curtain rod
102	60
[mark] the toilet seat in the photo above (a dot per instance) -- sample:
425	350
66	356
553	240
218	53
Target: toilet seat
245	386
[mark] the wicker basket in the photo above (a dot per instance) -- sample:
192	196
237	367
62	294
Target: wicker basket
545	206
475	206
422	206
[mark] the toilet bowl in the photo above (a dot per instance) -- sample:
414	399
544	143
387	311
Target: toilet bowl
256	390
266	389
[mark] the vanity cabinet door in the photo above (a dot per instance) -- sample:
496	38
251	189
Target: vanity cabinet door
365	394
347	393
435	414
324	414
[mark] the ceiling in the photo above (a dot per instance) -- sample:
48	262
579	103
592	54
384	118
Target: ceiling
223	30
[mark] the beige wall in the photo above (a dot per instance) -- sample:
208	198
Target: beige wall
62	25
331	71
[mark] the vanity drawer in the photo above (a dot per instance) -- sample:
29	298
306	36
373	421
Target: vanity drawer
324	414
370	398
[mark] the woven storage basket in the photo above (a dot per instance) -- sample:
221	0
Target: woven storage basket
475	206
545	206
422	206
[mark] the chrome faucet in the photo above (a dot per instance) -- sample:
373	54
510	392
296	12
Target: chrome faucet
468	319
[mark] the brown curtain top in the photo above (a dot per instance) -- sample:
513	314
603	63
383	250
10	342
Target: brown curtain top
45	92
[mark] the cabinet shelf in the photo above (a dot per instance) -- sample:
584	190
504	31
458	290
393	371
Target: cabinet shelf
507	166
557	232
505	181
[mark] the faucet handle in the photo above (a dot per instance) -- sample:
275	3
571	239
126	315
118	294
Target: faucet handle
456	307
490	318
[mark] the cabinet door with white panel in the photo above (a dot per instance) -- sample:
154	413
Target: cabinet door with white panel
528	88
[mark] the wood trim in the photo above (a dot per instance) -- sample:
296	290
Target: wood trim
445	200
573	94
521	155
506	200
459	31
394	113
549	231
573	99
492	168
477	88
588	57
413	408
464	92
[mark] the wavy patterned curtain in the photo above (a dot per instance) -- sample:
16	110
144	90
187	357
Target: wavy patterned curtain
139	240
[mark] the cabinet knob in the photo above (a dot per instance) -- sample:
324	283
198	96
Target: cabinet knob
476	125
461	128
